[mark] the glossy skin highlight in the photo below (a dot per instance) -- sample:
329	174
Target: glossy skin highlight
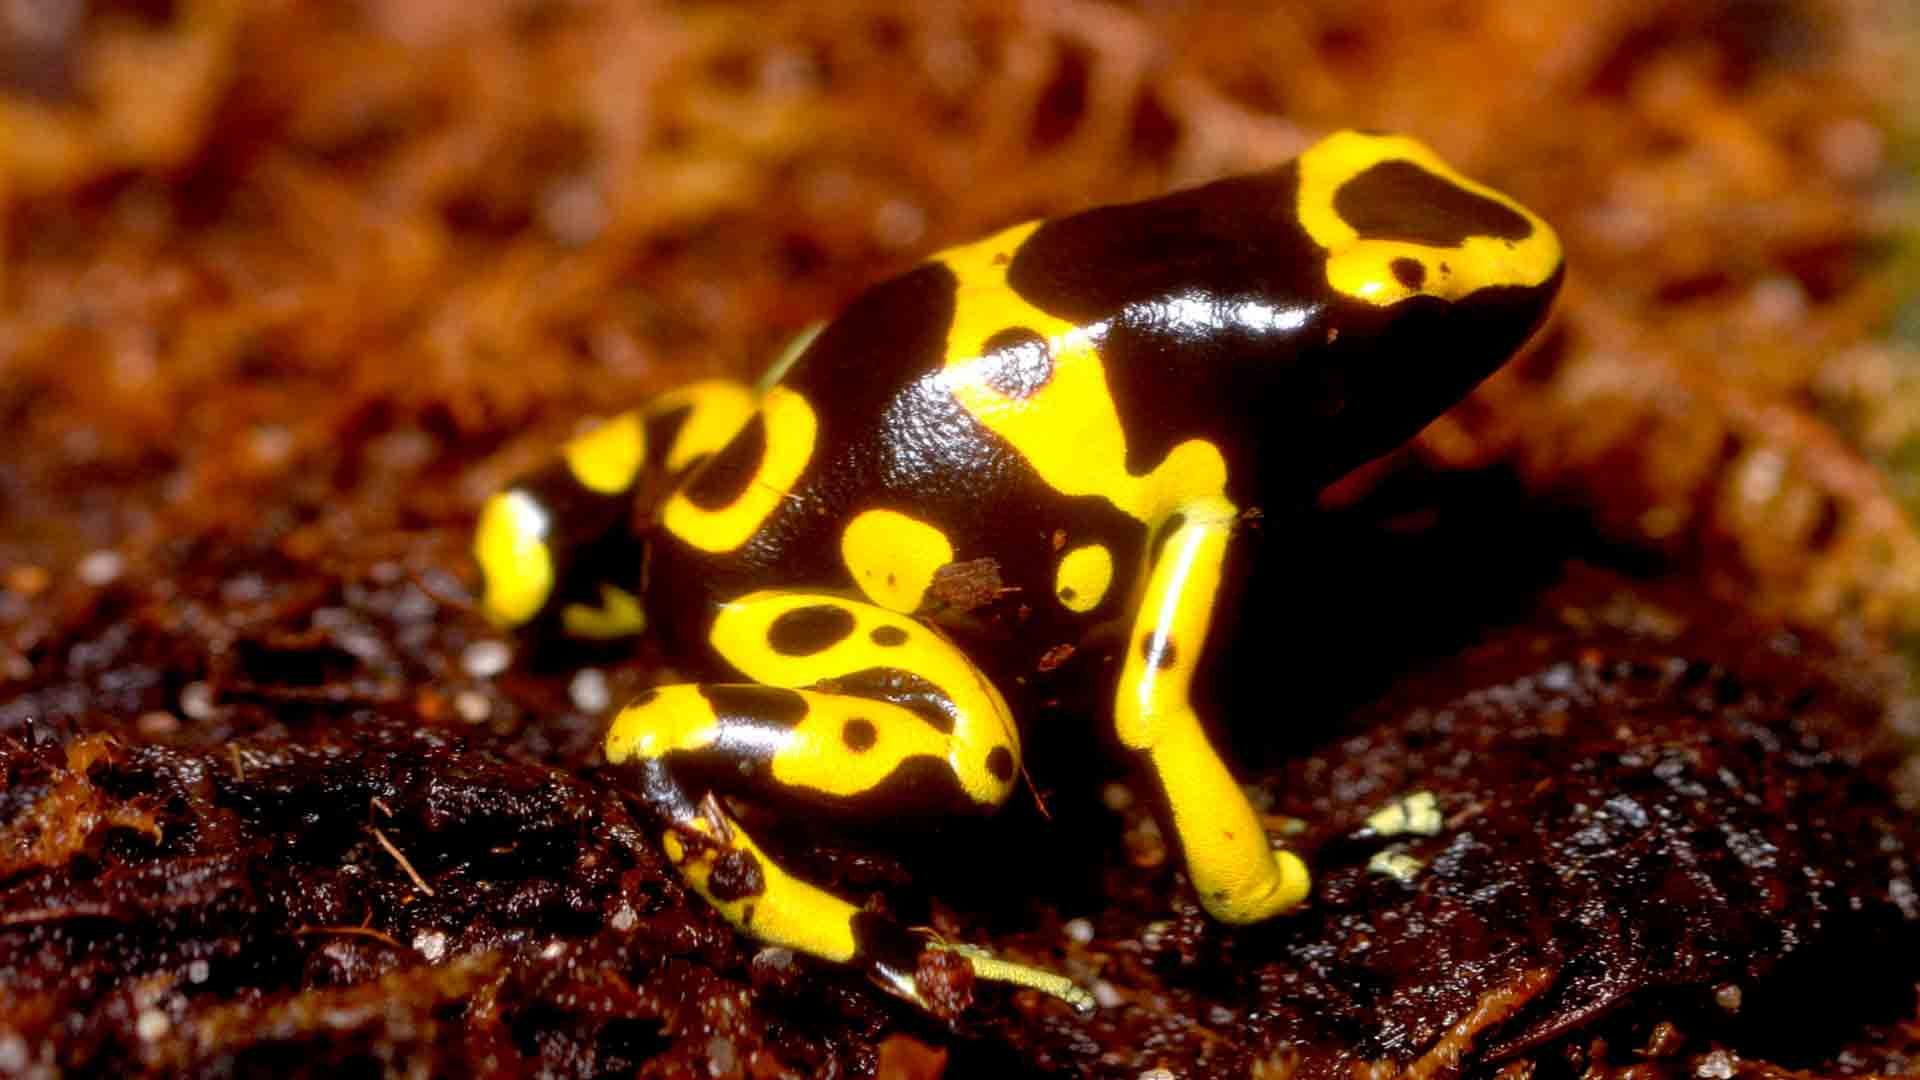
1051	436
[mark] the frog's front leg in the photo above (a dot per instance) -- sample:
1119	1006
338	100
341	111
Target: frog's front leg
856	710
1239	876
559	544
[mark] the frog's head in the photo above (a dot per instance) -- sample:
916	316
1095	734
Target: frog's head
1432	282
1303	319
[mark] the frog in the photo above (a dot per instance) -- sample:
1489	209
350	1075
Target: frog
1048	440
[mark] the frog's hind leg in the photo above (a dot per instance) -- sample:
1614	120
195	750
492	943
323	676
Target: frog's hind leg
559	545
1239	876
856	710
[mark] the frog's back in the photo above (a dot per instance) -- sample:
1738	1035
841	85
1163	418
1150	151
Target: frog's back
864	471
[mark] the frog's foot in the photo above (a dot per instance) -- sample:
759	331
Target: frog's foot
559	546
1240	878
855	709
715	856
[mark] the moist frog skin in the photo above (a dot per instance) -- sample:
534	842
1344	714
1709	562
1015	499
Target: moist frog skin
1050	437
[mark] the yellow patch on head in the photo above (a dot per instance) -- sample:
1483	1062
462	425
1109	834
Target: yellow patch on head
790	429
1384	270
510	545
1084	576
1065	423
893	557
608	459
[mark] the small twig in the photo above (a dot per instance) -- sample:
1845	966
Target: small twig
35	916
1490	1010
717	819
339	695
1039	801
418	881
355	931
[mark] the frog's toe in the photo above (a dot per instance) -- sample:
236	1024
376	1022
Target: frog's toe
903	980
995	969
1274	887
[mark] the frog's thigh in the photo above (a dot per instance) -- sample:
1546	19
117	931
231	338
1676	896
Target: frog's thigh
1238	875
857	756
866	655
559	542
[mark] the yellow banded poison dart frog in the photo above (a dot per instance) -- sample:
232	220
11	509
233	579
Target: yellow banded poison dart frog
1078	414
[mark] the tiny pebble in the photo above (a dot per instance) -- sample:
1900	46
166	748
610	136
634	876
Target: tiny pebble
13	1054
1717	1065
788	71
431	944
1396	864
351	632
625	918
153	1024
1155	933
1776	301
242	590
554	951
100	568
719	1056
1852	149
1079	930
485	659
196	700
573	211
1117	797
406	448
270	445
1416	812
199	971
1106	995
1220	1015
589	690
1728	996
156	723
472	705
413	605
1758	480
778	958
386	572
1158	1074
899	224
